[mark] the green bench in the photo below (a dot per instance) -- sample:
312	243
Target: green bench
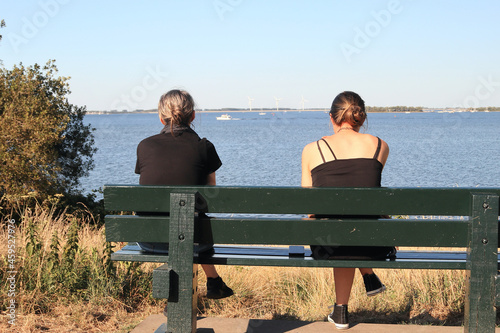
265	217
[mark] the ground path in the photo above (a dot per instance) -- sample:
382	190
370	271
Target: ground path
236	325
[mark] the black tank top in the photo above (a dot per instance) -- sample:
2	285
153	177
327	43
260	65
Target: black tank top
353	172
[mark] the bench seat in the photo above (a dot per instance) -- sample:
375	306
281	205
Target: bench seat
280	256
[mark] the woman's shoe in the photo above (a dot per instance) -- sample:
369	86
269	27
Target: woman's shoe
373	285
339	316
217	289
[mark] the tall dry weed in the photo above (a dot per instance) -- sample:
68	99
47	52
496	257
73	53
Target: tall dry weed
62	261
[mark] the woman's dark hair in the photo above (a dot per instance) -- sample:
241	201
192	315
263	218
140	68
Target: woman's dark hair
348	107
176	107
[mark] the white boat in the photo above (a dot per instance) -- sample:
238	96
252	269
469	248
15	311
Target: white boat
224	117
262	113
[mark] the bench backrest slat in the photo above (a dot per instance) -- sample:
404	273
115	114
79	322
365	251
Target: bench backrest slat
431	233
342	201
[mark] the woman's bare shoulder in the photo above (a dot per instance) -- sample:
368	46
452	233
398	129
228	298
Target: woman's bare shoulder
309	147
373	138
369	136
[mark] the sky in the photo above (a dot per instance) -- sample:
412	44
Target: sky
123	55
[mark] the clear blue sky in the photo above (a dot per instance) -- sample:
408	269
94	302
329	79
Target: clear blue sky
125	54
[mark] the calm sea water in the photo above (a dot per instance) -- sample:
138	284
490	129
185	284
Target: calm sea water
426	149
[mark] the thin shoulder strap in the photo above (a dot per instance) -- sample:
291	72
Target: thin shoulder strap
335	157
319	148
378	149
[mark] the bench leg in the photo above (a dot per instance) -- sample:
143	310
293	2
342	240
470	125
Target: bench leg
482	261
182	314
183	295
161	289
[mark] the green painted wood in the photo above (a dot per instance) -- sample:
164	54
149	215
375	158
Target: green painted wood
309	262
181	306
482	265
296	200
397	232
256	256
132	256
133	228
497	295
161	281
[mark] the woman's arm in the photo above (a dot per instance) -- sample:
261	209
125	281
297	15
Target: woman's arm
306	170
211	179
384	152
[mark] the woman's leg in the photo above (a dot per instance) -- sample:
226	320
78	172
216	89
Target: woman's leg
343	284
216	288
364	271
210	271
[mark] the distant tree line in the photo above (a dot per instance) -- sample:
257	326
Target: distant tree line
489	108
394	108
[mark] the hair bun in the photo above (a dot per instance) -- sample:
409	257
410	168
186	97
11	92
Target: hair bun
355	109
348	107
176	107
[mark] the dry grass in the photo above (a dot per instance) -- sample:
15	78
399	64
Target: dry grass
412	296
45	302
79	318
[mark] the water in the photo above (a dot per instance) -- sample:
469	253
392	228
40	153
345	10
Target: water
426	149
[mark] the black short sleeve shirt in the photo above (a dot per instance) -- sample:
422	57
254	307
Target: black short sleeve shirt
183	159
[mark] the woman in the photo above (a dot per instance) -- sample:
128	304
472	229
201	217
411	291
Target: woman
177	156
346	159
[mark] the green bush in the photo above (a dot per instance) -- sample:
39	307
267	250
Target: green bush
44	147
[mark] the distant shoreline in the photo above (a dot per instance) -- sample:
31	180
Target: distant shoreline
437	110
